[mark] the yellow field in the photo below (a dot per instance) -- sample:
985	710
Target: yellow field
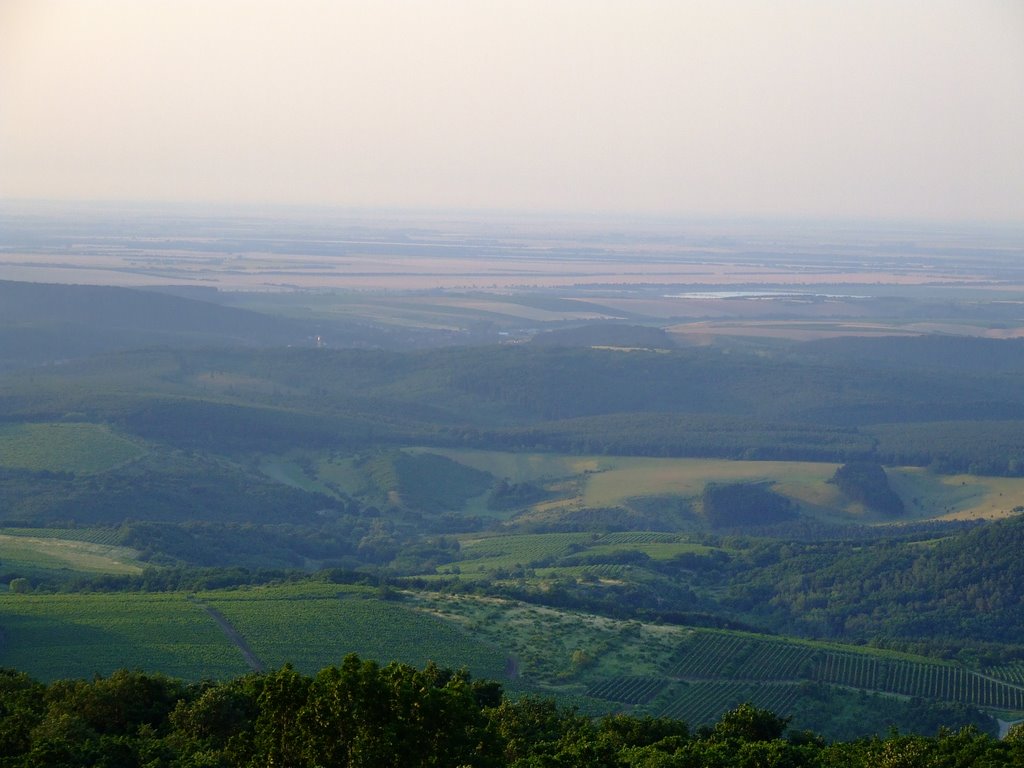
687	477
605	481
957	497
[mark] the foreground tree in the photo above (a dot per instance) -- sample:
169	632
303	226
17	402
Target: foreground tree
362	715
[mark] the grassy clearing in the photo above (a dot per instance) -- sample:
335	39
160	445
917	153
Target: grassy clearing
100	535
346	474
484	554
284	470
58	447
422	480
560	651
40	553
656	550
62	636
525	467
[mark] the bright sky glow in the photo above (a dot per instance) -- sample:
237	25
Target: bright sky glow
881	108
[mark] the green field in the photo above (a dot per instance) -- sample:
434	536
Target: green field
64	447
310	625
78	635
284	470
602	664
313	625
484	553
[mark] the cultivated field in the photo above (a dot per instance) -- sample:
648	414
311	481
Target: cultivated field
64	447
480	554
313	625
696	674
599	663
79	635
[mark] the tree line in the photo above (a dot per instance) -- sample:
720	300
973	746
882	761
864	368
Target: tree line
361	714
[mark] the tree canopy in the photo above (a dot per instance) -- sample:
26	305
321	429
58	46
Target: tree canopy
362	714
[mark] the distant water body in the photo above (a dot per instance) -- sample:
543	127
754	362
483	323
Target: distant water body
761	295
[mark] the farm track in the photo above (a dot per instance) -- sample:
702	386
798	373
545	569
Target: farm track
232	634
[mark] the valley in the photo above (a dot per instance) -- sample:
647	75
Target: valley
664	474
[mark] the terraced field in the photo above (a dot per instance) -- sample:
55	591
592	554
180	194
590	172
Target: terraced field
703	703
1011	673
697	674
730	659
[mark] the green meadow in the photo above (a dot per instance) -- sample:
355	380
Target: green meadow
25	553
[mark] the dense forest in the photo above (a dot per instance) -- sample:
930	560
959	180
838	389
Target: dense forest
694	402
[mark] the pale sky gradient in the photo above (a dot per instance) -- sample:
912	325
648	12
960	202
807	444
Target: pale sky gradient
877	108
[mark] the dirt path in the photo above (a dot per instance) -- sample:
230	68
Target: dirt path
231	634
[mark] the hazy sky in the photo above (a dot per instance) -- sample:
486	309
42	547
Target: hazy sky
778	107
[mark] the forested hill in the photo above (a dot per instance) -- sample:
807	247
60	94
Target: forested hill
891	590
961	354
40	323
689	402
521	384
